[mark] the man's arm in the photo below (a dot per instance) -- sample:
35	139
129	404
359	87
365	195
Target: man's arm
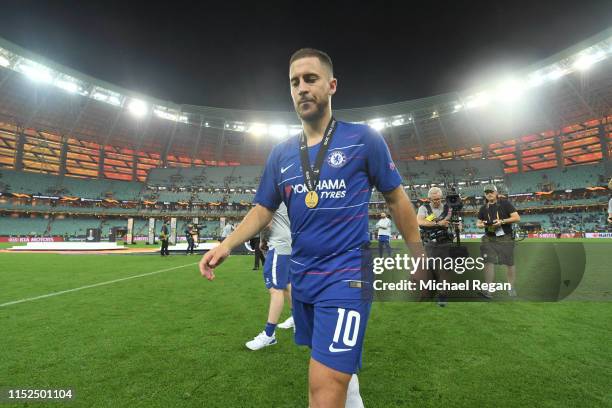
405	219
480	222
403	214
424	222
514	217
256	219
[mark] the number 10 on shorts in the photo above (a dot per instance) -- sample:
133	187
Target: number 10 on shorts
350	328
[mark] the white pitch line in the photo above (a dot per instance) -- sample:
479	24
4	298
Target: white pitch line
14	302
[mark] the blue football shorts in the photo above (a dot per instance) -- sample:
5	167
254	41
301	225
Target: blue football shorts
276	270
334	330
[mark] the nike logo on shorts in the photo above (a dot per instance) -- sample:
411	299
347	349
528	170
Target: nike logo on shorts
284	169
337	350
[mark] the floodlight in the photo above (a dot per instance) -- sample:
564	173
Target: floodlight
99	96
377	124
114	100
137	107
510	90
457	107
67	86
278	131
164	114
586	61
535	79
397	122
36	73
556	74
258	129
480	99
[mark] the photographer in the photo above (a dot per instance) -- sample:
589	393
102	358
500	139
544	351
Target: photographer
190	231
164	235
259	256
434	223
497	217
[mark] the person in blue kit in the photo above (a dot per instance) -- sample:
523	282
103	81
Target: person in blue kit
325	177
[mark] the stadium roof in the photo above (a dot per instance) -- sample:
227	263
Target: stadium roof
568	88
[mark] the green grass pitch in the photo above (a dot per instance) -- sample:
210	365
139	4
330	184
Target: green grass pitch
172	339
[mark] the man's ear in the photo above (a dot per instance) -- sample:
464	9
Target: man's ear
333	85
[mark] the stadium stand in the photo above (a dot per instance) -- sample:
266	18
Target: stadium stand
450	171
19	226
212	167
557	179
47	184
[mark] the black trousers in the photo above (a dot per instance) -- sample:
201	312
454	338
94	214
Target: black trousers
259	256
384	246
190	244
164	247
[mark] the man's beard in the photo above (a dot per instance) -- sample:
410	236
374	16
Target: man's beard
316	114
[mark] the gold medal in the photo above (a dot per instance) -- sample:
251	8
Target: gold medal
312	199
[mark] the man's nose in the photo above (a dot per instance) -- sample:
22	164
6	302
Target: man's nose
302	88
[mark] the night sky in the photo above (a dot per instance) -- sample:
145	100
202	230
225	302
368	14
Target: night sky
235	55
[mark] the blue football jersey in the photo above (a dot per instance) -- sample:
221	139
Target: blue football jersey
327	239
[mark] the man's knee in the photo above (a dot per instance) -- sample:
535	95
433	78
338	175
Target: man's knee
276	292
327	386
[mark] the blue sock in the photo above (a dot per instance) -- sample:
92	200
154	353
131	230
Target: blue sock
270	327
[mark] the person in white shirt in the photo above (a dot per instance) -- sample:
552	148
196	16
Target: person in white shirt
226	231
276	238
384	234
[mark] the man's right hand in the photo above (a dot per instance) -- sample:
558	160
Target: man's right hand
443	223
212	259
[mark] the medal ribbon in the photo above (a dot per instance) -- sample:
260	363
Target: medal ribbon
313	173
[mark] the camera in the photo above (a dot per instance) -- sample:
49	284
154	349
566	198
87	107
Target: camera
453	200
441	236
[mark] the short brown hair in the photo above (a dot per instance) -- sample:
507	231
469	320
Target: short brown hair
312	52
